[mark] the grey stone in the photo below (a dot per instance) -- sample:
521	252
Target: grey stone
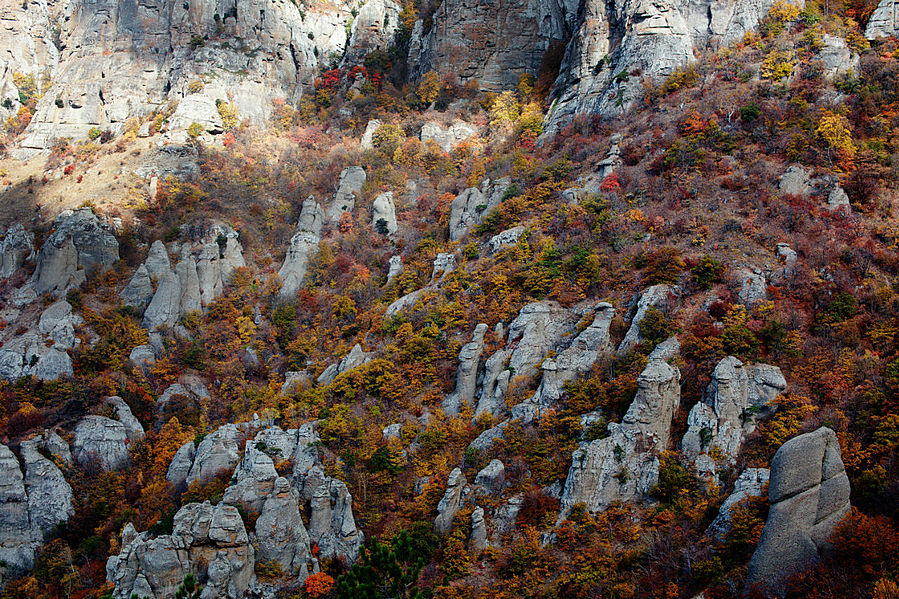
796	181
49	495
16	248
883	23
451	502
478	540
492	478
447	138
101	441
625	465
507	238
217	451
349	188
809	495
658	297
471	206
383	209
370	129
181	464
751	483
467	374
395	269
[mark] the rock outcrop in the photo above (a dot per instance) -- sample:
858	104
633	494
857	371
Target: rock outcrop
808	493
885	20
568	363
451	502
383	217
737	398
349	188
470	207
658	297
467	374
17	247
625	465
79	244
207	541
121	60
206	264
42	351
627	36
103	442
303	245
751	483
31	506
447	138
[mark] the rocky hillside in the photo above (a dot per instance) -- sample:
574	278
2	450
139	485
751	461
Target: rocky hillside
455	299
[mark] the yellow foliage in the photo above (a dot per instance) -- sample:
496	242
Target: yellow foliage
230	115
783	12
505	108
429	87
835	131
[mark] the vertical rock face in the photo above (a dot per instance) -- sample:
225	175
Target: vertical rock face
885	20
657	296
809	495
651	38
104	442
16	546
731	407
625	465
451	502
467	375
750	484
126	59
303	245
490	42
349	186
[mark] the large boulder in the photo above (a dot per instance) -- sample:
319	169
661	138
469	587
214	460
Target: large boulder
808	493
16	545
281	535
447	138
217	452
625	465
451	502
383	217
104	442
79	244
884	22
49	494
751	483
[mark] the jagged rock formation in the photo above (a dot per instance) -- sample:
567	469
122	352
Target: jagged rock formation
33	505
208	541
658	297
121	60
279	534
737	398
17	247
79	244
451	502
443	265
205	266
751	483
753	286
796	180
885	20
625	465
395	268
349	187
636	36
384	211
303	245
576	359
104	442
492	477
467	374
470	207
809	495
42	350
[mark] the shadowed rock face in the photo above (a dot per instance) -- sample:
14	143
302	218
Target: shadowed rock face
809	495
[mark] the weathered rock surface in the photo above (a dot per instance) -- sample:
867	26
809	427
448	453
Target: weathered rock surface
808	493
625	465
17	247
796	181
16	545
467	374
104	442
576	359
370	130
207	541
383	217
49	495
658	297
349	188
352	360
507	238
753	288
492	478
217	451
303	245
885	20
737	398
470	207
79	244
395	268
451	502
